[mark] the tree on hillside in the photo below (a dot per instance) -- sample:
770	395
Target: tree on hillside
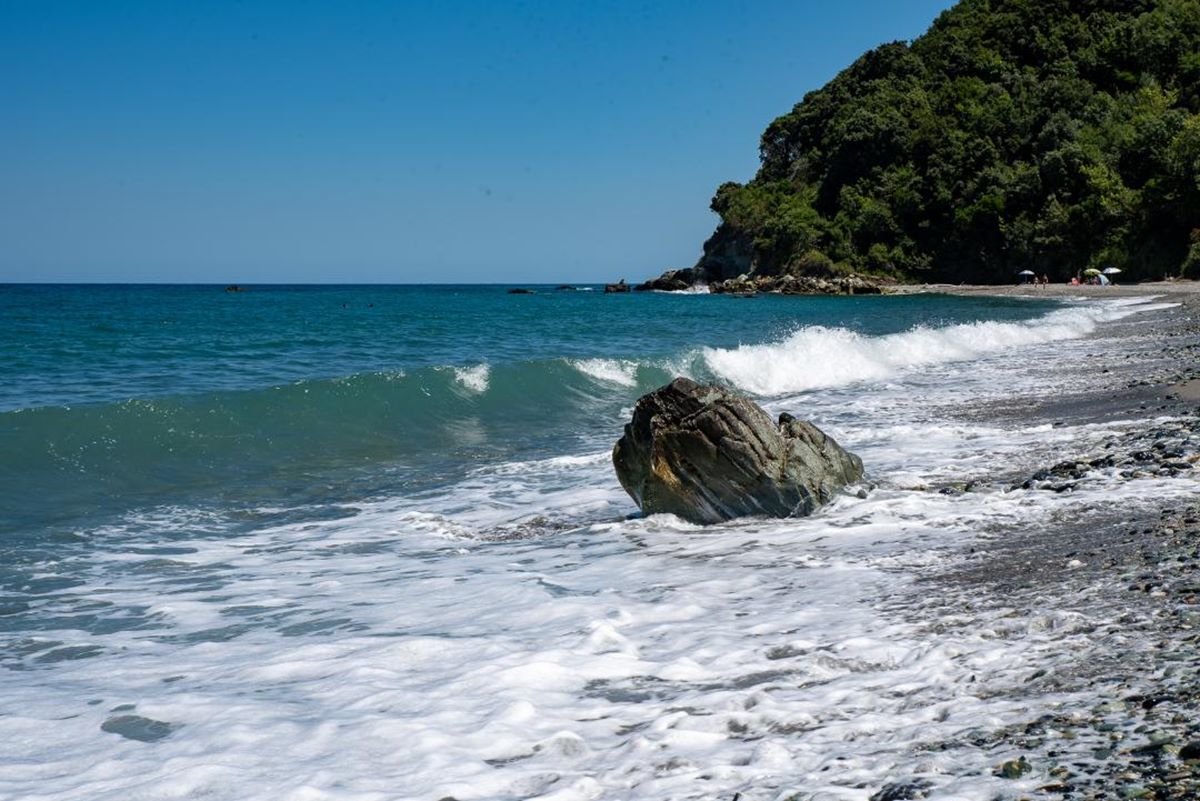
1052	134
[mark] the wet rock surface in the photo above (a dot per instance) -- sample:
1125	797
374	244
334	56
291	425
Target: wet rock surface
138	728
1167	449
670	281
707	454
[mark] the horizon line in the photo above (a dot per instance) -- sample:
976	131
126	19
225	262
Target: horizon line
303	283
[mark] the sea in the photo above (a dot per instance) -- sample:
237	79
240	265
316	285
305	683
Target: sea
366	543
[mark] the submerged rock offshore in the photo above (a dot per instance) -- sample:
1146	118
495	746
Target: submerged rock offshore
708	455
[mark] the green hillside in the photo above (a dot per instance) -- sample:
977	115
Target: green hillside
1055	135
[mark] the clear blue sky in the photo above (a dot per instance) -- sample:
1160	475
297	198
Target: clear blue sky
394	141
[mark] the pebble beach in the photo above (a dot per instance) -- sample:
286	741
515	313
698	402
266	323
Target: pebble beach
1115	711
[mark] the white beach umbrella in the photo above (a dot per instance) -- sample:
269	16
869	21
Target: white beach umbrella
1112	270
1027	272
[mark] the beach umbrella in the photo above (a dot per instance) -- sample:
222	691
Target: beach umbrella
1091	271
1027	272
1112	271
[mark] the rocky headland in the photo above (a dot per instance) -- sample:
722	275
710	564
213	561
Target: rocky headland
830	283
1051	136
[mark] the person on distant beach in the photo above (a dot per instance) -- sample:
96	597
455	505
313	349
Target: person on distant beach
1045	280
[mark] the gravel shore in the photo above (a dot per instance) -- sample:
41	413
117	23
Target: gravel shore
1119	699
1172	289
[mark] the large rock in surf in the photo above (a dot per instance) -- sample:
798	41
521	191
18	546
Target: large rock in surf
706	454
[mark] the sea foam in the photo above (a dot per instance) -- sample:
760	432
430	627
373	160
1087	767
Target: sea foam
474	378
817	357
616	371
515	634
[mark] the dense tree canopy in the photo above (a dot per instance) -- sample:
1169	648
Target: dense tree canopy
1054	135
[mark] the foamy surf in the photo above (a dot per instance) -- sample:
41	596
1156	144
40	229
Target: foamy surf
642	659
473	378
615	371
818	357
511	629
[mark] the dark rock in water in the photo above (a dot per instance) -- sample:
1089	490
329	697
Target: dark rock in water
136	727
620	286
565	288
706	454
670	281
520	291
903	791
235	288
1013	769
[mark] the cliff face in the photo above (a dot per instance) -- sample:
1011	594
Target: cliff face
728	253
1055	135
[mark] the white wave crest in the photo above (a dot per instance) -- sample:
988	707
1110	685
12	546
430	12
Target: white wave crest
474	378
616	371
817	357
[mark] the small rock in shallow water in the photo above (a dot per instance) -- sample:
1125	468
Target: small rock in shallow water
1014	768
136	727
903	791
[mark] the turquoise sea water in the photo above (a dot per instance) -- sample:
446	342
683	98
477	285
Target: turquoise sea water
117	397
364	543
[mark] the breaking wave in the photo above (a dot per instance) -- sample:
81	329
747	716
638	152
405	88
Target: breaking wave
474	378
817	357
615	371
471	414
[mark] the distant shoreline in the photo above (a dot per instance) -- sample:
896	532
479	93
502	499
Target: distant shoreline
1180	287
